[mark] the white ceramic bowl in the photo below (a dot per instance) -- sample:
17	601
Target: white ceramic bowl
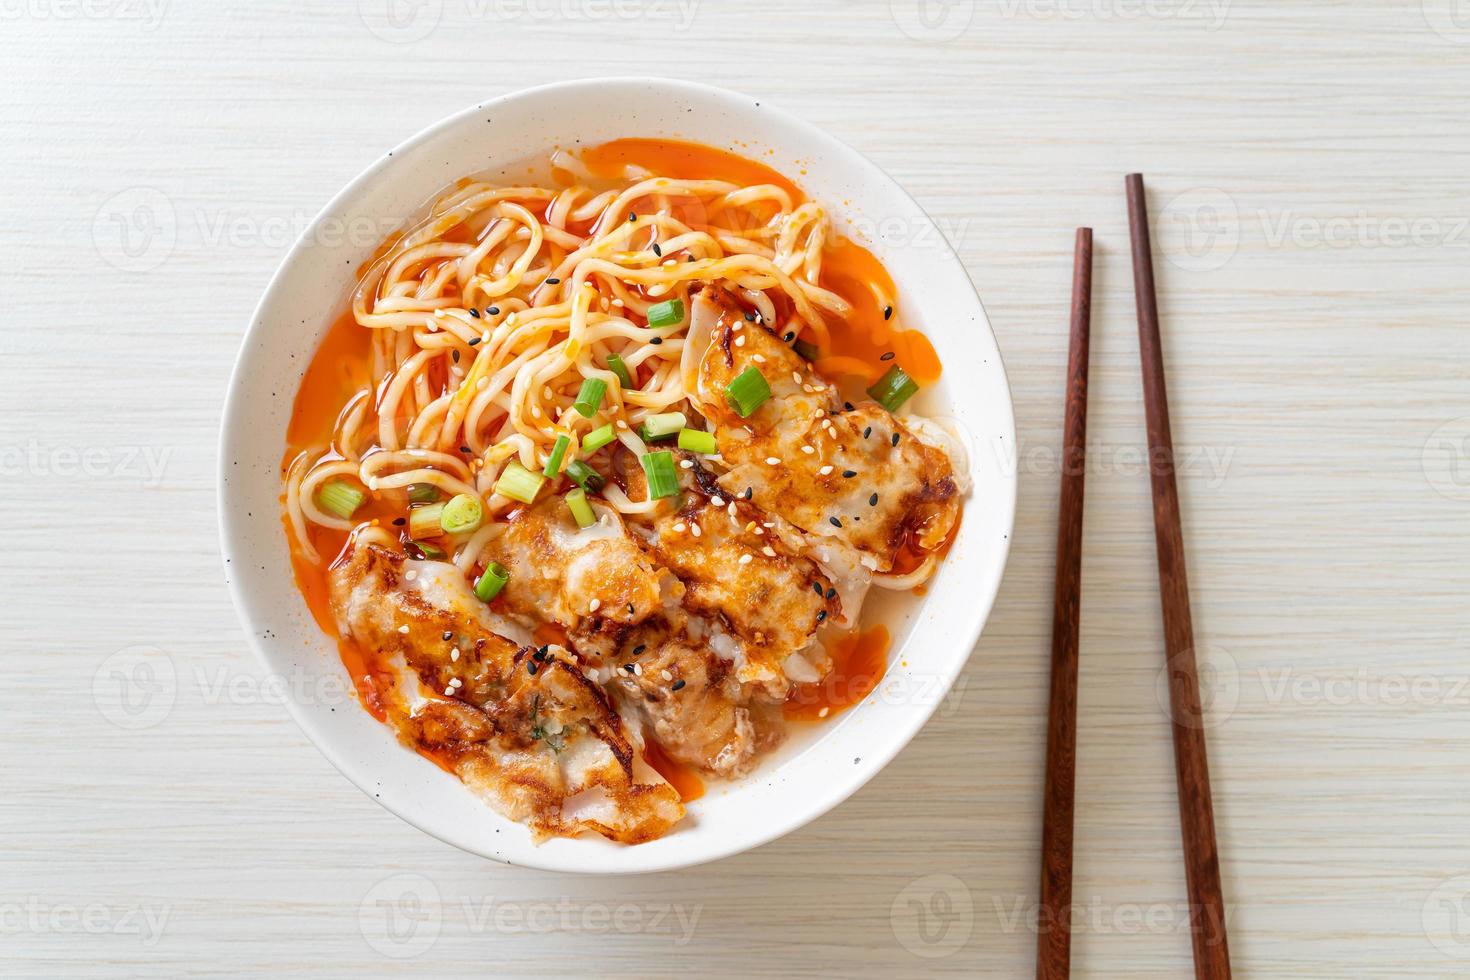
933	636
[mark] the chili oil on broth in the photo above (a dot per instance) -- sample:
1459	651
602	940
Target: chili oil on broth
852	357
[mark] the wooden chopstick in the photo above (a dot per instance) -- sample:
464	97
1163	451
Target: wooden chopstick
1196	810
1054	935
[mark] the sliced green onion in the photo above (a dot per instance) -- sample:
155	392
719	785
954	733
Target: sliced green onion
663	426
422	493
340	497
462	514
666	314
748	392
694	441
616	365
431	552
585	476
488	585
580	508
519	483
423	522
598	438
589	399
893	389
807	350
662	479
558	452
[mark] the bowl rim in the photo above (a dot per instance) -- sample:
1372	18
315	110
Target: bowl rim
234	409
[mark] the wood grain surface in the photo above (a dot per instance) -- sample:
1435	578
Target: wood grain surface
161	815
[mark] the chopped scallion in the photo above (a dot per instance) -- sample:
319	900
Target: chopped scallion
589	399
663	481
462	514
423	522
558	452
618	366
598	438
666	314
893	389
694	441
585	476
340	497
747	392
430	552
489	584
662	426
580	508
519	483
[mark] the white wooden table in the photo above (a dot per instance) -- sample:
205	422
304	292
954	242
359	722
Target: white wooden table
1308	164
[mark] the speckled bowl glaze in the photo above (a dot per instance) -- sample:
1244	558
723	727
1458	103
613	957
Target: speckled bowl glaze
821	765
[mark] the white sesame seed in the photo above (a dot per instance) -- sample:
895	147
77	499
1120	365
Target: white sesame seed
449	692
535	412
759	531
403	628
808	450
695	530
825	470
681	527
795	377
546	392
686	464
411	575
740	341
773	461
453	655
637	670
455	682
746	559
592	606
665	674
622	424
716	501
823	712
768	551
758	358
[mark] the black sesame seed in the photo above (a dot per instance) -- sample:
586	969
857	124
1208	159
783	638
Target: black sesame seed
790	336
849	474
821	615
817	587
867	432
848	406
887	312
493	310
630	609
399	522
873	500
895	439
628	668
632	216
655	341
639	649
541	652
553	281
834	521
677	685
887	357
474	313
657	251
749	492
465	449
448	635
454	355
531	667
831	594
750	318
474	341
